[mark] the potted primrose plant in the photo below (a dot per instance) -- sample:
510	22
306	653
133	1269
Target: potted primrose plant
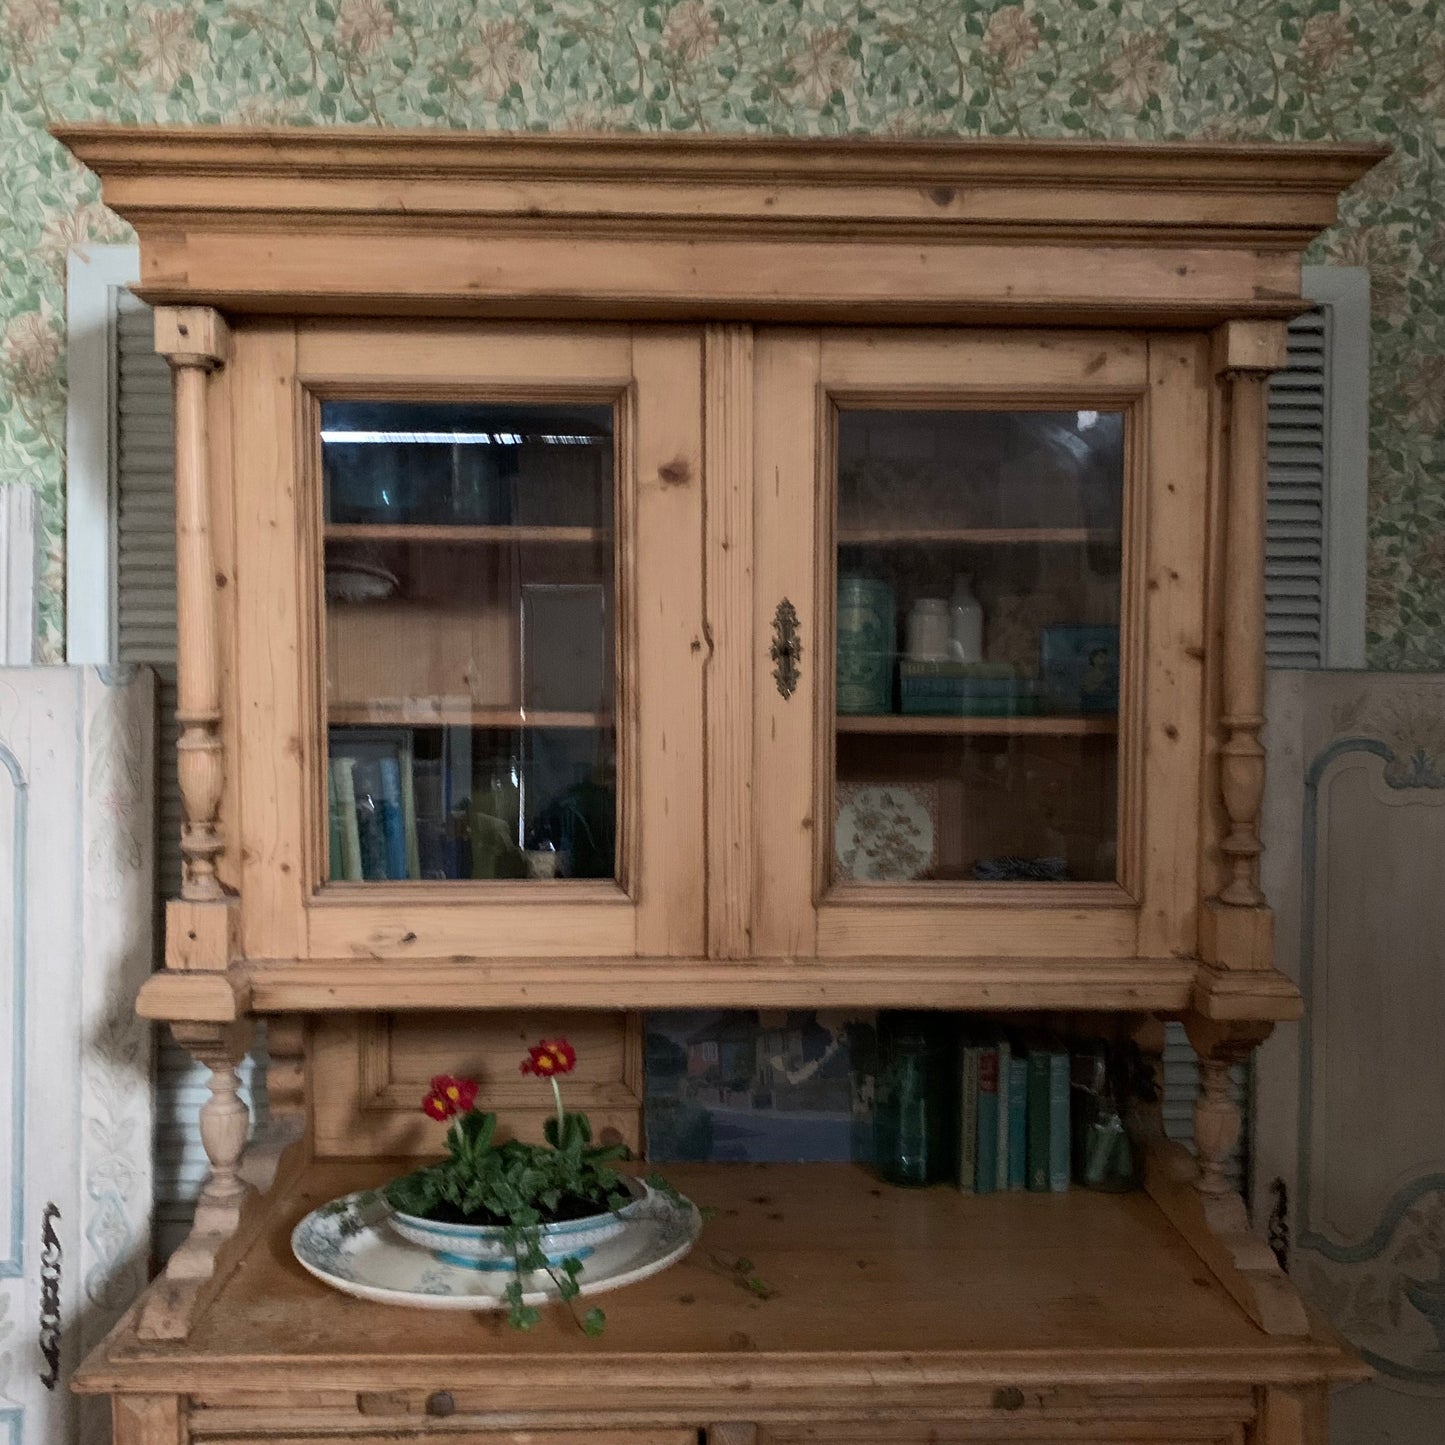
516	1206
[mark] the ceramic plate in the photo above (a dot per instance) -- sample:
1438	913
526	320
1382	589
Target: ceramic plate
886	832
351	1245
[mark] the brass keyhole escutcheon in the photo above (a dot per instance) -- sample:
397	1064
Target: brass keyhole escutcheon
787	649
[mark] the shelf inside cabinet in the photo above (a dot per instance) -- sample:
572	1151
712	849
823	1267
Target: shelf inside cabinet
984	536
500	535
921	726
417	712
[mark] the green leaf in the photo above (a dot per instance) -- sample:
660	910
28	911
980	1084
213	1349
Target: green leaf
594	1321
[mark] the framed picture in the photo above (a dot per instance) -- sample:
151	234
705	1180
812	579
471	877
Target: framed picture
1079	666
564	647
761	1086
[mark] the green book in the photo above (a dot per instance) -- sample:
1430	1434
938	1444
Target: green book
343	782
985	1179
336	867
1038	1121
1059	1141
968	1120
408	807
1018	1121
1005	1084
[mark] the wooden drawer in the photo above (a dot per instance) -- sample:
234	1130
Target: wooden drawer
443	1436
1003	1432
1011	1415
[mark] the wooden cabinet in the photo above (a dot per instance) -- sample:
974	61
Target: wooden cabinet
642	573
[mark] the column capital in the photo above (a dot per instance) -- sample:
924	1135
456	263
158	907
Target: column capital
192	337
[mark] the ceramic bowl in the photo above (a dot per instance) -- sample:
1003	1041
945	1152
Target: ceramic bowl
484	1246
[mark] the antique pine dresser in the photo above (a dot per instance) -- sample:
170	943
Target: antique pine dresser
561	472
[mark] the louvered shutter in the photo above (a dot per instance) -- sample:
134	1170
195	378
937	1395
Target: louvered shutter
145	613
1296	552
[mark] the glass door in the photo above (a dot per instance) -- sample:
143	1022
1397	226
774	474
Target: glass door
508	745
965	766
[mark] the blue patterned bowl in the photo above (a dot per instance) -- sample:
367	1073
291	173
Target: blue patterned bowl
484	1246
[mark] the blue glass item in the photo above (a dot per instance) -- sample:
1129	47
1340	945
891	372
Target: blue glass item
867	632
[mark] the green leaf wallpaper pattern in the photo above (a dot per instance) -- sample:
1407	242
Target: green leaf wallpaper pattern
1246	69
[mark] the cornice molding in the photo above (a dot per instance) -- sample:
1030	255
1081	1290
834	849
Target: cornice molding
971	188
203	198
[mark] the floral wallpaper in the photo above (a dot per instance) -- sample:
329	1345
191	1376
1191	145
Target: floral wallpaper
1277	69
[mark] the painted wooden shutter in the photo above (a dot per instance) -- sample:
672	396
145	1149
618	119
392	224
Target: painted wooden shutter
145	612
1296	552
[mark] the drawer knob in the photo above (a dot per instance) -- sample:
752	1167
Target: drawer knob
440	1403
1008	1398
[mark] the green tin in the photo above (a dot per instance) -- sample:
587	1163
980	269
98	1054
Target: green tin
867	632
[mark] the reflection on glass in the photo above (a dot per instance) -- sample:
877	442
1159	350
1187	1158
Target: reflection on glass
469	640
977	645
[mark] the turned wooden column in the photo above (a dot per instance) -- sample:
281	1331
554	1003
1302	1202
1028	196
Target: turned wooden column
193	339
1220	1046
1245	355
225	1120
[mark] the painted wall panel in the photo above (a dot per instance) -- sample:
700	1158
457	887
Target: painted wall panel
76	845
1352	1099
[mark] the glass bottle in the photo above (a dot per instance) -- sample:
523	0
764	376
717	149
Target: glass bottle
913	1116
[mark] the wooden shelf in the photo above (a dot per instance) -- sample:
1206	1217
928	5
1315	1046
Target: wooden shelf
987	536
916	726
417	712
458	534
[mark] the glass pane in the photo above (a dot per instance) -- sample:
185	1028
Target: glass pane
978	645
469	640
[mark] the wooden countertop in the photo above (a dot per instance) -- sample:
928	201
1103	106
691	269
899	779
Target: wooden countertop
872	1287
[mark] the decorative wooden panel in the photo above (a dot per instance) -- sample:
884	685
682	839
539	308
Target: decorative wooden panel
1352	1104
371	1071
76	828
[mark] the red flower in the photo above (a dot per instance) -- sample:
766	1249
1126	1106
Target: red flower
550	1058
449	1096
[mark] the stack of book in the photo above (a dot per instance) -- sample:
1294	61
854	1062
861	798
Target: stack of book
1014	1115
373	812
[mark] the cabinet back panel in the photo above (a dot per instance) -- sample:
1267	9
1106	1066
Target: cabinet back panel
371	1071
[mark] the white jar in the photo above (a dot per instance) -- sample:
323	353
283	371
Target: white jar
928	637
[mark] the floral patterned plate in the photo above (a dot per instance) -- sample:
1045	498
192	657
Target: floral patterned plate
350	1245
886	832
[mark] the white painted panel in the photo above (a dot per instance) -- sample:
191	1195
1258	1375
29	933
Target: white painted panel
75	744
1351	1118
14	837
